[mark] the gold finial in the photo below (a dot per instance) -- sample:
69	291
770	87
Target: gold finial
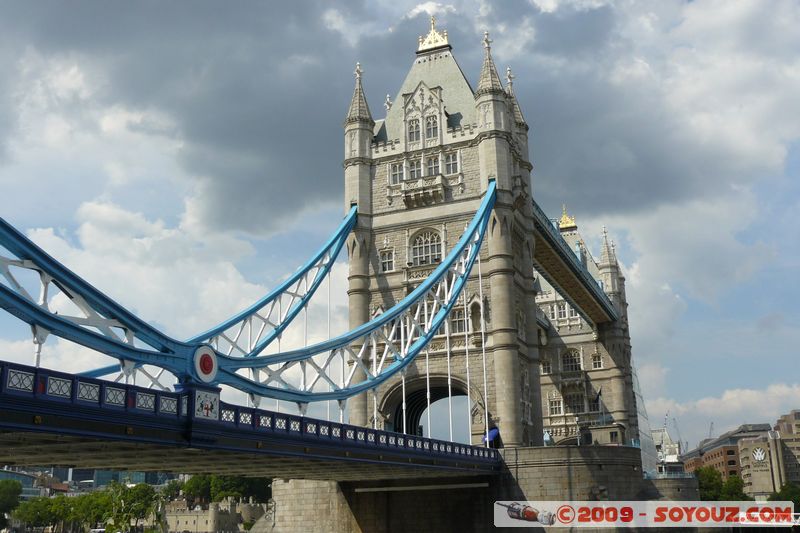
434	39
566	221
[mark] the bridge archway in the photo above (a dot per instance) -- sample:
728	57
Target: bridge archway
390	405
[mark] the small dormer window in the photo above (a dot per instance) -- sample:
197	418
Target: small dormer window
431	127
413	130
433	166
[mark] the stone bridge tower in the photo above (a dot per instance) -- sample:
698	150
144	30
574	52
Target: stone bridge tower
418	176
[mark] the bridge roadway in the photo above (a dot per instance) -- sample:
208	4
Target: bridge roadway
53	418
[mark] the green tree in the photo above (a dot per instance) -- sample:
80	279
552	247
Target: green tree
141	498
172	489
733	490
788	493
91	509
120	516
36	512
240	487
198	488
61	511
710	483
225	486
10	489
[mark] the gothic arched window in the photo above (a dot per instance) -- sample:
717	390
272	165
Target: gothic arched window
426	248
413	130
431	127
570	361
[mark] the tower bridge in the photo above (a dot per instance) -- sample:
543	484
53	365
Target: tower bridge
459	284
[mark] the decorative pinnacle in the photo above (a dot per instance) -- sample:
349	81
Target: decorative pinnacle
387	103
566	221
607	251
487	43
359	110
489	81
509	78
434	39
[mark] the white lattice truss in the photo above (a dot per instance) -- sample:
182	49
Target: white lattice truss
365	360
251	334
79	313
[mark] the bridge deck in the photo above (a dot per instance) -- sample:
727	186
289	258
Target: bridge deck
49	417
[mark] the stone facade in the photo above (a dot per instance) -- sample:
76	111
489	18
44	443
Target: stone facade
464	505
225	516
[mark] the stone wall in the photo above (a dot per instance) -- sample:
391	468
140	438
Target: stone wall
466	504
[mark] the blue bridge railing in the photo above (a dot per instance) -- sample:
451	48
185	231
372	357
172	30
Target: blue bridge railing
52	386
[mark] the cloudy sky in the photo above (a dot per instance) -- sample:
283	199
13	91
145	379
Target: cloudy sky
184	156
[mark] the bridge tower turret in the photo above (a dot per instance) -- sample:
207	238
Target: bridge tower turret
358	126
417	185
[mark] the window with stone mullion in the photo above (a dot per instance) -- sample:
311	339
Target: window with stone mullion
413	130
426	249
431	127
415	169
451	163
433	165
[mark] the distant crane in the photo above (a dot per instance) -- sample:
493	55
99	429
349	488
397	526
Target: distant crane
681	446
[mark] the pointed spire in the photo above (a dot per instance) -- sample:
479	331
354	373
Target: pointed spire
515	109
607	256
489	81
359	110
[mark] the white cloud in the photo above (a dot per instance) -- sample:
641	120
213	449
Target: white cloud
431	8
180	282
652	379
727	411
552	6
